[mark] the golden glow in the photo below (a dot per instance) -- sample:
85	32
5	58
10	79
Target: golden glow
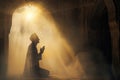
31	12
29	15
58	57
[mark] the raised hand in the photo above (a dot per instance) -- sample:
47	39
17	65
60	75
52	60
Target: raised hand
42	49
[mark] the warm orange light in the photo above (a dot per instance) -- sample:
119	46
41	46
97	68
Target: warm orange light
58	56
30	12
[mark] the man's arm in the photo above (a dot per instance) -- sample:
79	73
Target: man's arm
41	52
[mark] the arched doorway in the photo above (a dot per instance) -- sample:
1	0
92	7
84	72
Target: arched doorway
58	57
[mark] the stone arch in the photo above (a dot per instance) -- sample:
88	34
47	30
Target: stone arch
8	23
11	13
54	58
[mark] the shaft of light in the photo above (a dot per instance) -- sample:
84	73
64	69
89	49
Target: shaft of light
58	57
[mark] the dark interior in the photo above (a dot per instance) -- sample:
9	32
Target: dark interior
90	26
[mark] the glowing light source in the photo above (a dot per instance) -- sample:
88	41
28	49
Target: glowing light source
29	15
30	12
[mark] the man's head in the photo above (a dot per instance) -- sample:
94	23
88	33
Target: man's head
34	38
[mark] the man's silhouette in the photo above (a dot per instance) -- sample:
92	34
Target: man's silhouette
32	59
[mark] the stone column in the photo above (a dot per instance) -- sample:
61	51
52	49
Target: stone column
7	21
114	30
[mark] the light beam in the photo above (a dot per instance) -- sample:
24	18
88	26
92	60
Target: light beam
58	57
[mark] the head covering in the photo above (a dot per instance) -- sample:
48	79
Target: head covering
34	37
